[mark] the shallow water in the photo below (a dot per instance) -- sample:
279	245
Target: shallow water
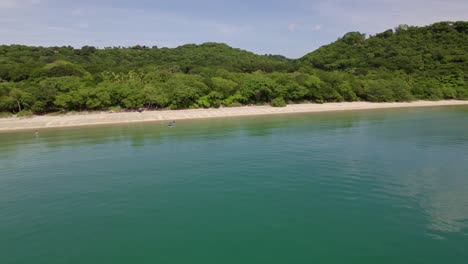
386	186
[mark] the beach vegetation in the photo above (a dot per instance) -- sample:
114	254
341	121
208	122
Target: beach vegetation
24	113
402	64
5	114
278	102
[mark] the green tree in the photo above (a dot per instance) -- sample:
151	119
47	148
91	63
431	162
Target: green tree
21	98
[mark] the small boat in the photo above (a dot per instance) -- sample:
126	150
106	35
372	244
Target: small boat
172	123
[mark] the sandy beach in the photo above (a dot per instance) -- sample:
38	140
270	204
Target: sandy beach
102	118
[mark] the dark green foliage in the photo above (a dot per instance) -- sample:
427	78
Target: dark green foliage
278	102
440	48
407	63
24	113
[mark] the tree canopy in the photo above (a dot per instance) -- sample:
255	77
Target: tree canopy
401	64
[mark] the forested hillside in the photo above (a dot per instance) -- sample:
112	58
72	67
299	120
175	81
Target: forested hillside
439	48
404	64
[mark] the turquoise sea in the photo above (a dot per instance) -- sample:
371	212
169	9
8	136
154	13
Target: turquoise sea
385	186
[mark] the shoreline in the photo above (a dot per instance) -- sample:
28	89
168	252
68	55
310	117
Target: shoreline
106	118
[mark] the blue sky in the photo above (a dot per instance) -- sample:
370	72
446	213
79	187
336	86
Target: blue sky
291	28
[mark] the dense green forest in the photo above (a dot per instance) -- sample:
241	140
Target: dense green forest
404	64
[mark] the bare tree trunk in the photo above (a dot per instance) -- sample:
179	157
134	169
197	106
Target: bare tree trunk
19	105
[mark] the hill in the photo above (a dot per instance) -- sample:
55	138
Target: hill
18	62
441	47
403	64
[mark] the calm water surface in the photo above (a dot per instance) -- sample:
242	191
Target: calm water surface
388	186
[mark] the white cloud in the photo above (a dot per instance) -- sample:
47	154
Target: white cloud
77	12
376	16
56	28
293	27
8	20
18	3
7	4
83	25
82	12
317	28
228	29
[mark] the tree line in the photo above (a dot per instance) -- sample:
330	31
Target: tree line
404	64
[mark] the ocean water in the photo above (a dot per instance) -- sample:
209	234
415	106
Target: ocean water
385	186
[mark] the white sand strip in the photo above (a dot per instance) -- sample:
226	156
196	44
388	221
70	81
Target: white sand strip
101	118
